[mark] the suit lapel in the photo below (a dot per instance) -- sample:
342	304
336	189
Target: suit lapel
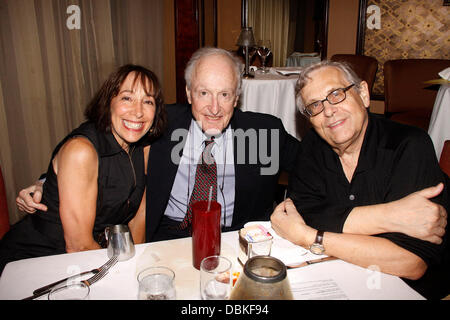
176	147
239	170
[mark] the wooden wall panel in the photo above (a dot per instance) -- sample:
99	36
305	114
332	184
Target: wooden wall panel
186	40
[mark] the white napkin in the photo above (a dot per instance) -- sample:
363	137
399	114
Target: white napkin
445	74
285	250
285	70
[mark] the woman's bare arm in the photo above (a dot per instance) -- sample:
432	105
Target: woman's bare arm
76	166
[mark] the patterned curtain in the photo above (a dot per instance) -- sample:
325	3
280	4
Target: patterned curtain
53	57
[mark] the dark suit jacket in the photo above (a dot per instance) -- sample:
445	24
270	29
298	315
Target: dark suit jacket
254	193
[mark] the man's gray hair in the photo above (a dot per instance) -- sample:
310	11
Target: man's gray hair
210	51
304	77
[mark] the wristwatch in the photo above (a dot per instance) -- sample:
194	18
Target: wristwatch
317	246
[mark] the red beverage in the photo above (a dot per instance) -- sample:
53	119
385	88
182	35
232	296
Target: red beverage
205	231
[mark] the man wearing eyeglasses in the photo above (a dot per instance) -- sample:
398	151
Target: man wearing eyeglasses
366	190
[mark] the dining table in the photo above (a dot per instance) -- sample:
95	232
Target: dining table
439	128
331	280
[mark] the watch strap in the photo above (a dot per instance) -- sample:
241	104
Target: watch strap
319	237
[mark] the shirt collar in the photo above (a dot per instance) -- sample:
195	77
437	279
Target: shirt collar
199	137
109	145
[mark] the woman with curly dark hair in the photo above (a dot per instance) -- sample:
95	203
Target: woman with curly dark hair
96	176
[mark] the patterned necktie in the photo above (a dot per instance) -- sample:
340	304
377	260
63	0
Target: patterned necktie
205	177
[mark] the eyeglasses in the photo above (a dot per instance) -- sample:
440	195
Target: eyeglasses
335	97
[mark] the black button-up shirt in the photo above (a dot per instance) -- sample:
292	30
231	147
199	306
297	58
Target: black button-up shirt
395	160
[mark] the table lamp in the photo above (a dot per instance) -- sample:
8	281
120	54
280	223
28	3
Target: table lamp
246	40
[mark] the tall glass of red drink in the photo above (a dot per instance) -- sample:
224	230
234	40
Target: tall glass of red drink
205	231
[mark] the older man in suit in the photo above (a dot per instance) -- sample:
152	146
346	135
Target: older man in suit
249	149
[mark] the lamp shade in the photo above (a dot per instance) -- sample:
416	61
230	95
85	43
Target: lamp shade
246	38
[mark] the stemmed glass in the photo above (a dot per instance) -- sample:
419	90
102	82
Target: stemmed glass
264	49
251	53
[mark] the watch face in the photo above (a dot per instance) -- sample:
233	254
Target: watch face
317	248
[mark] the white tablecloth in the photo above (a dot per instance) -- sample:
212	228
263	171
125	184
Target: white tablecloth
332	279
439	129
274	94
298	59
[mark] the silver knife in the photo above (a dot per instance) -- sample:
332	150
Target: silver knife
308	262
99	274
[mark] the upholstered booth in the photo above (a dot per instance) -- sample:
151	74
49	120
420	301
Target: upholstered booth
364	66
408	99
444	162
4	215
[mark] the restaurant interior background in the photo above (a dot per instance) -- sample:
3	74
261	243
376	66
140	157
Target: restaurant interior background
50	67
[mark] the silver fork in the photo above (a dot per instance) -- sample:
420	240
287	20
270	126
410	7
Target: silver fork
102	273
107	265
99	274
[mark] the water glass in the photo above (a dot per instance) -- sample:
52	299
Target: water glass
156	283
73	291
215	278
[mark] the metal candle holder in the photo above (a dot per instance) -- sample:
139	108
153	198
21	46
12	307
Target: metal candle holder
246	40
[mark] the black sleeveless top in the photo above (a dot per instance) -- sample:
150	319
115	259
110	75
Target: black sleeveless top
121	184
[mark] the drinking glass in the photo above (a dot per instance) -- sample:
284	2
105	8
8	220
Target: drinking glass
156	283
215	278
73	291
264	49
251	53
205	231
